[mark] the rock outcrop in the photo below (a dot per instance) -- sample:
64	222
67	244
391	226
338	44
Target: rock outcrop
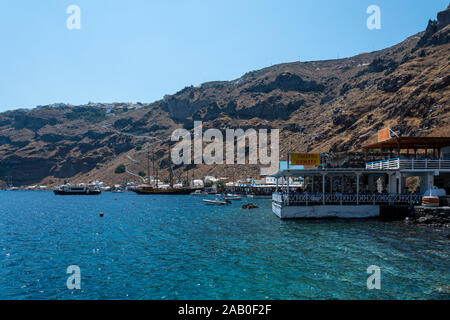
435	217
437	32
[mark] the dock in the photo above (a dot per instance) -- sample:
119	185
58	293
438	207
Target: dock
375	190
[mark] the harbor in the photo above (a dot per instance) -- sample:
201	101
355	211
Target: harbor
225	159
175	247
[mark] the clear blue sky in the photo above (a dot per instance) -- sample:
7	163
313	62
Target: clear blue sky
139	50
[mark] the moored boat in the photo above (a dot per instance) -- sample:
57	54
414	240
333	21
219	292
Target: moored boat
232	197
430	201
148	189
216	202
68	189
434	197
199	193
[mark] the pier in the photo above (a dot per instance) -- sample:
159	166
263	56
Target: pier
363	192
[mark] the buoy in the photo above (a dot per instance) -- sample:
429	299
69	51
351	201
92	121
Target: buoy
115	198
101	214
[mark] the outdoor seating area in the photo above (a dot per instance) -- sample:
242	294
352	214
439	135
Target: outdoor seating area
361	192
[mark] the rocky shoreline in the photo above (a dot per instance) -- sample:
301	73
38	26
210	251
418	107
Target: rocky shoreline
434	217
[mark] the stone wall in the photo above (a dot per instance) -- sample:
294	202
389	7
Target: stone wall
439	217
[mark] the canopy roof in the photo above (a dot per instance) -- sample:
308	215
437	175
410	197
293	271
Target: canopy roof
328	171
411	143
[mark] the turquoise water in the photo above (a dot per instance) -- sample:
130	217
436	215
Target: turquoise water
175	247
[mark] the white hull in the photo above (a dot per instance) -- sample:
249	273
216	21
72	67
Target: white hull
233	198
258	197
215	202
327	211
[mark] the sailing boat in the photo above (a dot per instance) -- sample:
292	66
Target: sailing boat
154	189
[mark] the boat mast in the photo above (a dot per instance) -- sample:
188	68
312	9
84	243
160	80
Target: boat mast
187	177
153	165
170	170
148	165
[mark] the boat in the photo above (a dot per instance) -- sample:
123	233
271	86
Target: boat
232	197
68	189
430	201
148	189
257	196
432	198
216	202
198	193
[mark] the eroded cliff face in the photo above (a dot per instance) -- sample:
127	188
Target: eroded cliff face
334	105
338	104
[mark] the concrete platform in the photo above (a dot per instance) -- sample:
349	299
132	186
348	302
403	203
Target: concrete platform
326	211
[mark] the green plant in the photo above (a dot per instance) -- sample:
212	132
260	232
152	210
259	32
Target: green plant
208	184
120	169
87	113
142	173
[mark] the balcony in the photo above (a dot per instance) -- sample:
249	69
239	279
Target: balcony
409	164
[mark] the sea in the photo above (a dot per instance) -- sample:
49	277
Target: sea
177	247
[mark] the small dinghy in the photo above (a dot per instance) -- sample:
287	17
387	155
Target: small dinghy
433	197
430	201
198	193
216	202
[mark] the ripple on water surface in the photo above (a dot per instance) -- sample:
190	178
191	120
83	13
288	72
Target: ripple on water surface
175	247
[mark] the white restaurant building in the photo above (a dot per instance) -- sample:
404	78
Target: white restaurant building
354	193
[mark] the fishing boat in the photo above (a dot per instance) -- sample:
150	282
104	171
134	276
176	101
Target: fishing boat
232	197
216	202
68	189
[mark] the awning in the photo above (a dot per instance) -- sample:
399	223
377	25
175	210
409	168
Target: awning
328	171
411	143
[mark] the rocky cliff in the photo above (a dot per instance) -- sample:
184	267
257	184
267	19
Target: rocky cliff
320	106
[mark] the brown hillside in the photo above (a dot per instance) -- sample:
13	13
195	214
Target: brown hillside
321	106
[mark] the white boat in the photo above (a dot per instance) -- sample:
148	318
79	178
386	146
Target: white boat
216	202
76	190
254	196
232	197
199	193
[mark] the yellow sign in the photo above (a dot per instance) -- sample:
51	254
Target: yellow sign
305	159
384	134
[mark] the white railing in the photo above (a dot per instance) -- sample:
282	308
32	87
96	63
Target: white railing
384	164
345	199
393	164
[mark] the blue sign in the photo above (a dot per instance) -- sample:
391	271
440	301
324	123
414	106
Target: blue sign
283	166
